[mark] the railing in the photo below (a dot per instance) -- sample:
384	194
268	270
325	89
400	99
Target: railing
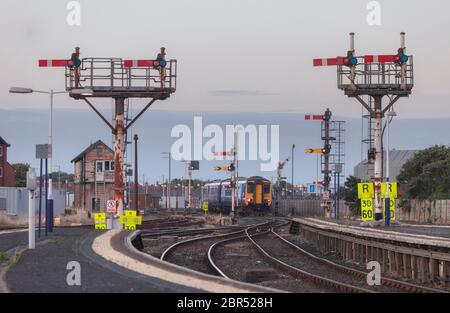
111	74
376	75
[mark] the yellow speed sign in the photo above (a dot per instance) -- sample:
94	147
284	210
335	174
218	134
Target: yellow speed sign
100	220
365	190
392	190
367	209
391	208
205	206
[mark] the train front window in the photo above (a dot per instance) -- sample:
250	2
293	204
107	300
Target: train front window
250	188
266	188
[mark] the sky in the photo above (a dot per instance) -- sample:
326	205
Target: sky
234	57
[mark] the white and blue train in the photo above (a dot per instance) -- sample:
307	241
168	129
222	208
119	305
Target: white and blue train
254	194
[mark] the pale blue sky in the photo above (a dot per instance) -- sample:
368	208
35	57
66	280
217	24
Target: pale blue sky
234	55
261	47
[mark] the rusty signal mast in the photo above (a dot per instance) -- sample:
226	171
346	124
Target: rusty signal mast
118	79
374	76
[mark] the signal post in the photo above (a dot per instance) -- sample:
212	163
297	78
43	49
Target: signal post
120	80
325	153
374	77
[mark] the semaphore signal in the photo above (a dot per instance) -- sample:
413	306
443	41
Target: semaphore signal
375	76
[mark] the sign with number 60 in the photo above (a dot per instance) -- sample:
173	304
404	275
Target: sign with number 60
367	209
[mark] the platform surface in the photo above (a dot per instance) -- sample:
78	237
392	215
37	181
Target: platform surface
44	268
441	231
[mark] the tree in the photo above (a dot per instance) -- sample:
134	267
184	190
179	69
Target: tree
350	193
61	177
427	175
21	174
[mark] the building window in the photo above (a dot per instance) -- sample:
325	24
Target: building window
109	165
99	166
1	151
1	171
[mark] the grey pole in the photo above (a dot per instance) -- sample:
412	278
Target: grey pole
50	142
170	180
292	178
387	221
31	185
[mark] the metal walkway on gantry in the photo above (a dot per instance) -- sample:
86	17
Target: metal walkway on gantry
118	78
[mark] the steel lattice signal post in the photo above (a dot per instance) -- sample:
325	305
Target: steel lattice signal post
118	79
374	76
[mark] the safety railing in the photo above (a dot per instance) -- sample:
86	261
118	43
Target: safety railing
376	76
110	74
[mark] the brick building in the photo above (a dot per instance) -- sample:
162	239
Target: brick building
94	177
7	172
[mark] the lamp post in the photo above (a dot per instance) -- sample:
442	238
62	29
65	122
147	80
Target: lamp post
168	156
22	90
201	194
292	182
387	221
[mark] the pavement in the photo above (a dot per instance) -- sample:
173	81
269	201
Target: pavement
12	240
44	269
406	228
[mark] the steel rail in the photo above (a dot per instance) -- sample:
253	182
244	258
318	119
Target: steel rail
384	280
170	249
296	272
213	247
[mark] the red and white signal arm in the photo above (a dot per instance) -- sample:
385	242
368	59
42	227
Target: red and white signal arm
314	117
328	62
223	153
111	206
55	63
383	58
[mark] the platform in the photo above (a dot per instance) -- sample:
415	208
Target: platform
430	231
44	268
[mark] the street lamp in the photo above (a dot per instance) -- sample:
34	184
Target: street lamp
387	222
201	193
22	90
168	155
184	192
293	147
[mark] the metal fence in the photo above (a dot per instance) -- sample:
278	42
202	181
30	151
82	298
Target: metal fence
14	201
434	212
308	208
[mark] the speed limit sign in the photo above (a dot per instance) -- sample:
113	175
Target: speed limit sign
367	209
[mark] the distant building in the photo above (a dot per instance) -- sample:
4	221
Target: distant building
397	158
148	196
7	172
94	177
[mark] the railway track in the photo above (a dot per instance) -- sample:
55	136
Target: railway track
166	223
287	258
299	263
351	274
191	253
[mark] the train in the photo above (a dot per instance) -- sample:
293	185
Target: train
254	195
